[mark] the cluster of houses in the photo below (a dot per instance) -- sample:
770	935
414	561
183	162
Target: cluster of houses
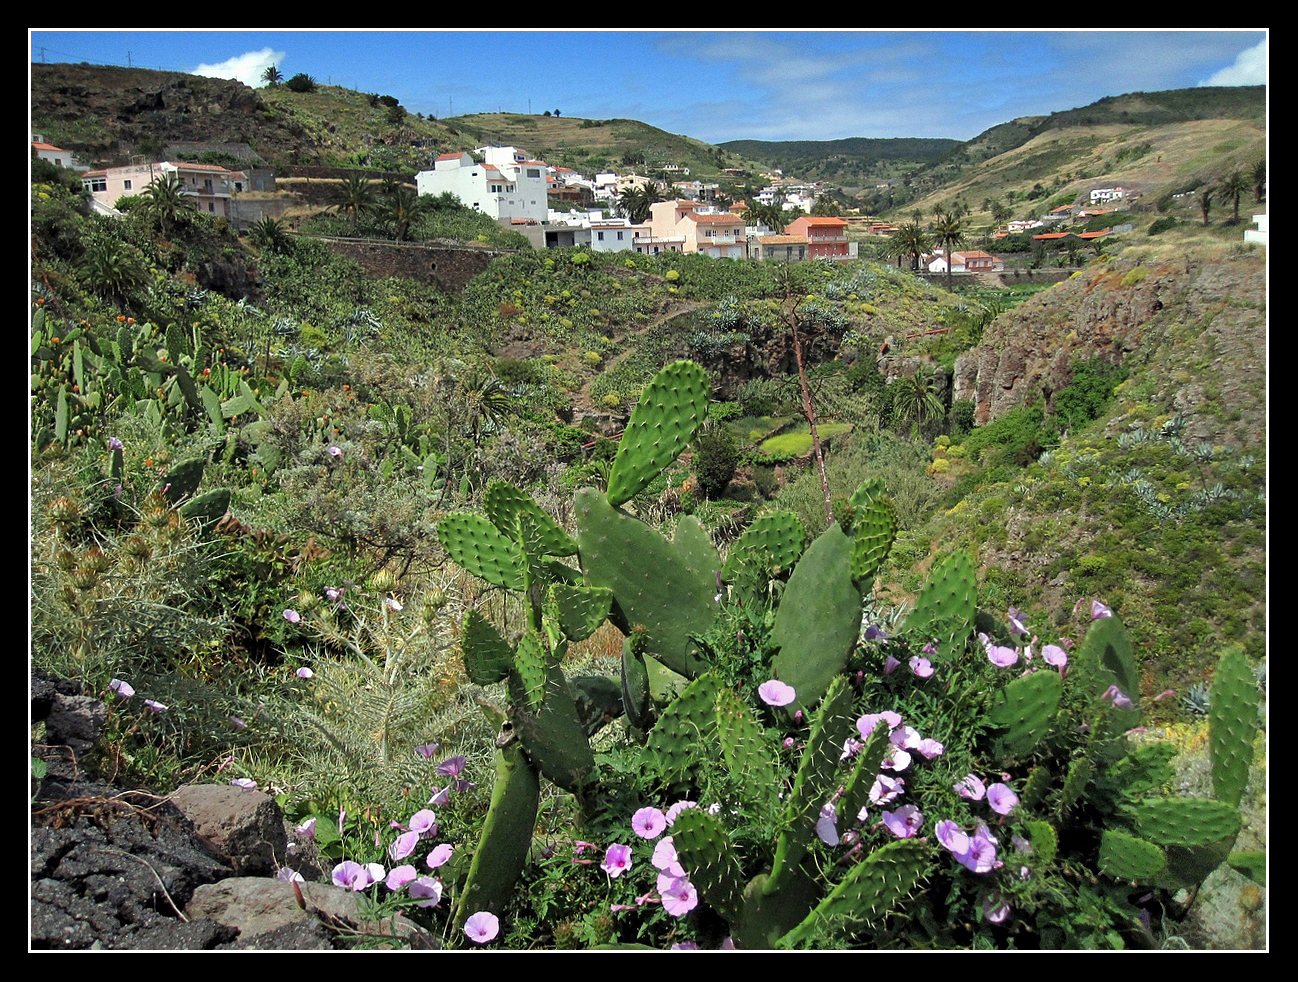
506	184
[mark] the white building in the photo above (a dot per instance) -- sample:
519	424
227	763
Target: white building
506	185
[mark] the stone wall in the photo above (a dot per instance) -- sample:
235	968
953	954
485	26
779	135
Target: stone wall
447	265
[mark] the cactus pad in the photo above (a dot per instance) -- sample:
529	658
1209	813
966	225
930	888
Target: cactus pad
504	505
1232	724
706	854
1024	709
819	618
477	545
663	423
1126	857
487	656
873	530
772	544
947	604
1188	822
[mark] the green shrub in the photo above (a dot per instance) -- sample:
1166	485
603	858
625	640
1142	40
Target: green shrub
715	460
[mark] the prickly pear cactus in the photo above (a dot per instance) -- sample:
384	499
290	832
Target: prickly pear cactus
819	618
872	889
770	545
1025	709
706	854
668	587
946	606
1126	857
663	423
481	548
1232	724
487	656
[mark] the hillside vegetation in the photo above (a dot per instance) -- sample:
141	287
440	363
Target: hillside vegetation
362	540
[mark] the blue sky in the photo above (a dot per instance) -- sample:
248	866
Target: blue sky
713	85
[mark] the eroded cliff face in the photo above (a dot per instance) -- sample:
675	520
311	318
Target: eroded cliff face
1197	327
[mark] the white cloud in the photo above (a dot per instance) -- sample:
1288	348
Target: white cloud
246	68
1249	69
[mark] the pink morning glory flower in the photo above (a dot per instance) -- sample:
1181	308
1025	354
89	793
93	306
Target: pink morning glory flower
428	891
897	760
1000	656
1016	621
157	707
123	689
890	665
335	452
246	783
776	693
827	825
867	723
451	766
1054	655
921	667
238	723
971	788
680	898
905	822
886	789
292	616
351	875
427	750
617	860
648	823
307	830
851	747
1001	799
287	875
677	808
392	604
482	927
1099	610
1120	701
930	748
995	911
404	845
440	796
399	877
664	858
952	836
441	854
304	673
423	821
905	737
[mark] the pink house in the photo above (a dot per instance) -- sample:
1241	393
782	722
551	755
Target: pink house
826	237
212	186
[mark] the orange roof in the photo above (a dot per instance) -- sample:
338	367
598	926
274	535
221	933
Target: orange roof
451	156
1053	235
46	146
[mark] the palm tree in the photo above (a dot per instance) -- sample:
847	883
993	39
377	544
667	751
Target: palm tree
949	233
1205	203
270	234
404	208
167	199
354	196
914	241
272	76
1233	187
1259	181
915	399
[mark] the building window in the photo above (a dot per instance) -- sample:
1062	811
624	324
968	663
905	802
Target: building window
207	184
619	236
533	172
601	236
126	185
97	184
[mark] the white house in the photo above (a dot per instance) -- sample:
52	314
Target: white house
1258	234
56	155
507	188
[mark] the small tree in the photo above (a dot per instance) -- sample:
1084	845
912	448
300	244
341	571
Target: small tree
715	461
301	82
272	76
